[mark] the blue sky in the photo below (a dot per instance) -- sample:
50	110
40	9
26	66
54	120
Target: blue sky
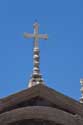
61	55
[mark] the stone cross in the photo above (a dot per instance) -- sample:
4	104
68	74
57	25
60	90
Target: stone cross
35	35
36	76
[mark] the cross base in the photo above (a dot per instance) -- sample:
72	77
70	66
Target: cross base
36	79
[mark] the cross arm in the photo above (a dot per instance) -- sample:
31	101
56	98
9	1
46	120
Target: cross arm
41	36
36	36
27	35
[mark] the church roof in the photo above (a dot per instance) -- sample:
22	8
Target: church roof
58	100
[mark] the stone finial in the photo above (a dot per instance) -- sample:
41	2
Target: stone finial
36	77
81	82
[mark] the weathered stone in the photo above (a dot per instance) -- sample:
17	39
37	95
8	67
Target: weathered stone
40	103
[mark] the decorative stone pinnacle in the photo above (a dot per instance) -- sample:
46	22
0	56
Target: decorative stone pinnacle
81	82
36	77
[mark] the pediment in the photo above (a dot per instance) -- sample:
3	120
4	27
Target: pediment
43	96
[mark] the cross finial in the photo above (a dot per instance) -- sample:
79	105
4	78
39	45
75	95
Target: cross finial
36	76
